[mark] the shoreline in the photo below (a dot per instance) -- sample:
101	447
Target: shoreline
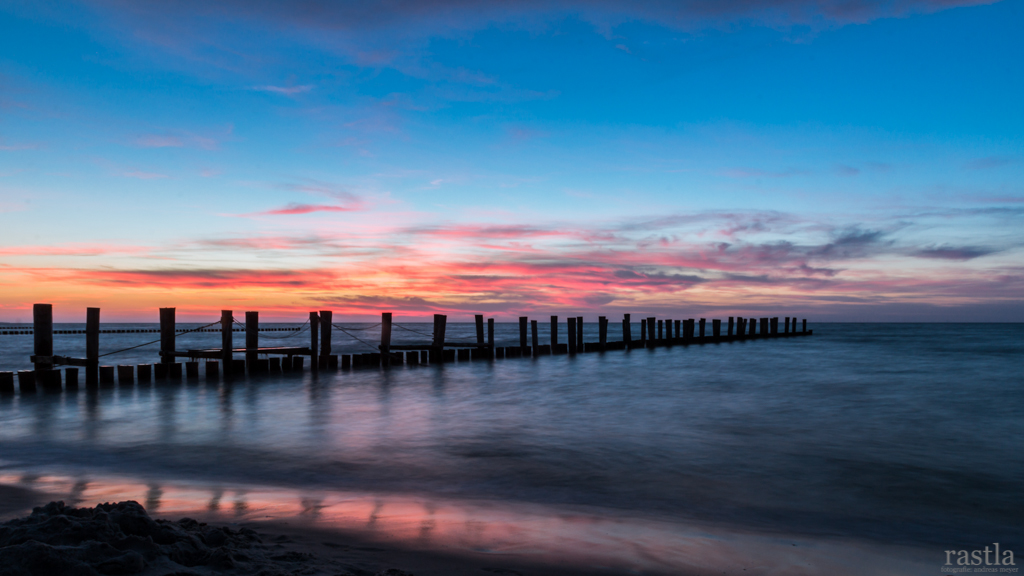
557	544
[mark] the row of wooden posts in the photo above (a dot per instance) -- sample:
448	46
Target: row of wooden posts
653	333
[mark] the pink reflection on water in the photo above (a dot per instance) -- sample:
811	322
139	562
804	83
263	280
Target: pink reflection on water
598	539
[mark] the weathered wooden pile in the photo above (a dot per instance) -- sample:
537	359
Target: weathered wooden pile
220	362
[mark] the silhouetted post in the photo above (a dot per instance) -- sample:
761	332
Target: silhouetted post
314	342
775	325
643	332
252	340
579	334
536	338
602	332
326	326
572	334
490	338
522	335
479	329
166	336
627	332
753	326
227	356
765	326
678	329
805	325
703	322
437	347
42	327
729	333
92	347
739	326
661	330
554	334
716	328
385	338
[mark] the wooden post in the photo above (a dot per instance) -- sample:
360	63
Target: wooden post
92	347
651	334
579	334
678	329
522	333
326	325
314	342
729	333
554	334
166	335
440	324
572	334
479	329
602	332
227	356
42	327
385	337
786	330
661	330
490	338
753	327
805	325
536	340
765	327
716	328
252	340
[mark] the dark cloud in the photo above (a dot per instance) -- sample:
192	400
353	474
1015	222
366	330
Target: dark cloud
946	252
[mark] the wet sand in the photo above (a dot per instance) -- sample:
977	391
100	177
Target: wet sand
323	545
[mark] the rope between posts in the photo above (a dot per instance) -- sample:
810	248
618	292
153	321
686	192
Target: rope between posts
295	332
155	341
356	329
357	338
413	331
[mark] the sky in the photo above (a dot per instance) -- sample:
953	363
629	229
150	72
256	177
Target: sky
839	160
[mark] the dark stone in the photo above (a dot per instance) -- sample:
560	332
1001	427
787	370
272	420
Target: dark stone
121	538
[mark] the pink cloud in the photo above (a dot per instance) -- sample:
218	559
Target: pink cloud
296	208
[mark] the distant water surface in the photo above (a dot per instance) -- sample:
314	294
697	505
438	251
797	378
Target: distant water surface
907	433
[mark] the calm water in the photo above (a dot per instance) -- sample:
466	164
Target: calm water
892	433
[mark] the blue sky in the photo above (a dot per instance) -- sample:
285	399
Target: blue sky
858	160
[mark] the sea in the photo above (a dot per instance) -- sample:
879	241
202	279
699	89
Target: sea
892	437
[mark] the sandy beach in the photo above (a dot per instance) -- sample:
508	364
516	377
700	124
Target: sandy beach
298	544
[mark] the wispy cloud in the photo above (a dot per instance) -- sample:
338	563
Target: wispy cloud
285	90
295	208
141	175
